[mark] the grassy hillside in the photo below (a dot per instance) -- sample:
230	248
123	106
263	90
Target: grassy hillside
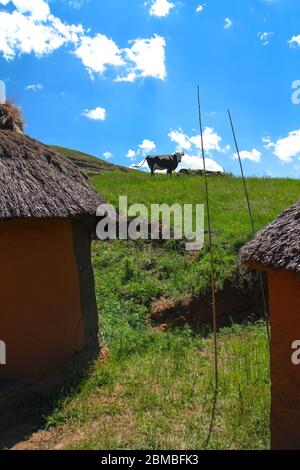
87	162
153	388
165	269
268	196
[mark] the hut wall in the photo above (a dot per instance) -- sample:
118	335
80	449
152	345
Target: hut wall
83	229
284	294
40	317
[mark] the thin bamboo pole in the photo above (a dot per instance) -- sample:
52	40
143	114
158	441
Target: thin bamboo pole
263	294
212	259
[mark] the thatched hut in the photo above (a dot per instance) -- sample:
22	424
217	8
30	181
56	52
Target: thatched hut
276	250
48	314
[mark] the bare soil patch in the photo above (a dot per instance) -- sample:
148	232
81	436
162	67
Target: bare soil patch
235	304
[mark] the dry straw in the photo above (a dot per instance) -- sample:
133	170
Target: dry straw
35	181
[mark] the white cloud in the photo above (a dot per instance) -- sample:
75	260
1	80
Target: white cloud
145	58
130	78
98	53
144	149
265	37
181	139
196	163
268	144
228	23
212	143
107	155
226	149
160	8
295	41
97	114
147	146
37	9
131	154
77	3
189	162
286	148
22	34
31	29
211	140
34	87
199	8
253	155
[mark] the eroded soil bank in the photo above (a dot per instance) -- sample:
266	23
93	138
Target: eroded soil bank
235	303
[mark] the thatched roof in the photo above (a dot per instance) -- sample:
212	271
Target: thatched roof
11	117
35	181
278	245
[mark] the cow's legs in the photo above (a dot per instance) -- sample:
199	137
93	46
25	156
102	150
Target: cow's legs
169	172
151	168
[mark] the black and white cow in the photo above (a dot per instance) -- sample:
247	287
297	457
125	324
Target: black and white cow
163	162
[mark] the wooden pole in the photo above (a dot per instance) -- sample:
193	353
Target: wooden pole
261	281
212	260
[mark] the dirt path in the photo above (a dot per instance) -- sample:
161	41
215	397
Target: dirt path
50	440
36	441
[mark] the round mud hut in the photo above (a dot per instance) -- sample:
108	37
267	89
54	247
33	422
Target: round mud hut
276	250
48	319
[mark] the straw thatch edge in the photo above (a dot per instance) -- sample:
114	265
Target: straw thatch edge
277	246
37	182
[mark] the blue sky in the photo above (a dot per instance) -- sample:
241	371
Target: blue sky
118	77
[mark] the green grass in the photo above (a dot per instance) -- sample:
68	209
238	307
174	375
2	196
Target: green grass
156	390
227	199
165	271
86	162
160	396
